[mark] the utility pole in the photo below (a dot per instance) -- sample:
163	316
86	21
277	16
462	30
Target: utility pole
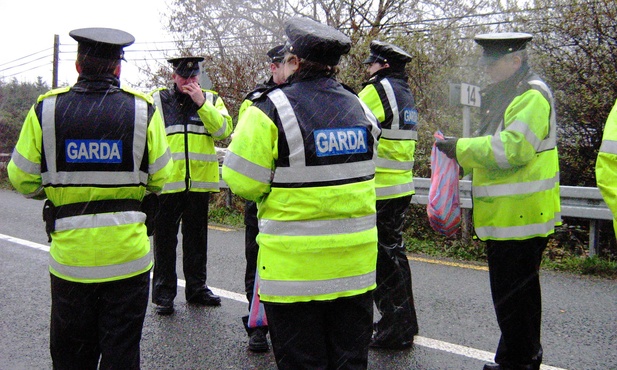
54	79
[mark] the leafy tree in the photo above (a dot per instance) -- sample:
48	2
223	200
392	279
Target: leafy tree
16	98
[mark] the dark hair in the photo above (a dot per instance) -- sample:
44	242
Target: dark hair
96	66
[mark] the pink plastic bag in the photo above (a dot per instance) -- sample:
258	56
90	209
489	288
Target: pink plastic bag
443	208
257	313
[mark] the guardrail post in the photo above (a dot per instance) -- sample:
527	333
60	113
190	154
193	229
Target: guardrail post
594	238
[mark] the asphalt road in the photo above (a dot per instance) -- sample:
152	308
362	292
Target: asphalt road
457	323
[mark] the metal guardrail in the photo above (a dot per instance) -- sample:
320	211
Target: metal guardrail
576	202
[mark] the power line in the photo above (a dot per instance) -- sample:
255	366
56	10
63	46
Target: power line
27	56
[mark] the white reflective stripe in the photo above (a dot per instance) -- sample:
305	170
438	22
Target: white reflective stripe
98	178
100	220
174	185
283	288
48	126
157	102
25	164
174	129
516	231
394	189
392	101
530	136
550	142
515	188
291	128
247	168
140	131
499	152
52	176
608	146
223	128
317	227
160	162
209	97
196	129
179	156
102	272
202	157
399	134
333	172
204	185
375	129
394	165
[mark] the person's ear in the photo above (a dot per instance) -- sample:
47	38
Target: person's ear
78	67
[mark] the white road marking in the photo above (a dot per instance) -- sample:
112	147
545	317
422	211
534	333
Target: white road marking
418	340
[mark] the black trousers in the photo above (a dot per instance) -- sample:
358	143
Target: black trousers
97	321
393	295
251	249
321	335
515	286
192	209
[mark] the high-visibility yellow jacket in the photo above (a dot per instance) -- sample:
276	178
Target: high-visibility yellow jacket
191	131
388	96
311	171
99	149
515	185
606	164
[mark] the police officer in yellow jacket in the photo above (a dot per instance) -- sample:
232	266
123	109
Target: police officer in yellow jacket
515	189
389	97
304	152
193	119
93	150
606	164
257	336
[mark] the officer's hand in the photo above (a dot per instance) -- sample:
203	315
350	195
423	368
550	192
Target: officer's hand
194	91
448	146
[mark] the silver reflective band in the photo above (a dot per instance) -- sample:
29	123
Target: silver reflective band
517	231
175	129
102	272
202	157
25	164
284	288
100	220
160	163
317	227
392	101
333	172
247	168
395	189
222	130
608	146
290	127
399	134
515	188
499	152
204	185
394	165
174	186
157	102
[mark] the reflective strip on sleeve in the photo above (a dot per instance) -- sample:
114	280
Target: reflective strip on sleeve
222	130
608	146
317	227
160	163
247	168
25	164
515	188
283	288
102	272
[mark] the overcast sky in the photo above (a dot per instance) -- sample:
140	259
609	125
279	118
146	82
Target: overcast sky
27	29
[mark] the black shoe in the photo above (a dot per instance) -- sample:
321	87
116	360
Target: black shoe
258	341
164	310
381	343
507	367
205	299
